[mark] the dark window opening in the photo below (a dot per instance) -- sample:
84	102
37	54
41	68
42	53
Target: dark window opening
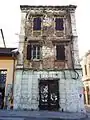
33	51
28	52
85	70
37	23
60	52
88	94
84	95
3	75
59	24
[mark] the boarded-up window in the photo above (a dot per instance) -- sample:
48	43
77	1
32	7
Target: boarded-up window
60	52
37	23
59	24
33	52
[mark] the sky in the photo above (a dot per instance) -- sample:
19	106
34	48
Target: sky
10	18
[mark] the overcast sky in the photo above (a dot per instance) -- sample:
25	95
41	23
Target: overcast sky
10	20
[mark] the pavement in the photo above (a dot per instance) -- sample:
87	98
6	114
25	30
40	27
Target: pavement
88	111
40	115
87	107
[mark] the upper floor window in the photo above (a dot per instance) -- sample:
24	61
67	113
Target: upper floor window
59	24
89	69
85	69
33	51
37	23
60	52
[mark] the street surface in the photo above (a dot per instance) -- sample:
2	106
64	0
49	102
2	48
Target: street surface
11	118
42	115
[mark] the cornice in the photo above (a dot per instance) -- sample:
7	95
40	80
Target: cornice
67	7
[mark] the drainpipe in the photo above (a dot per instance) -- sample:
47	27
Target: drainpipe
13	56
77	75
13	72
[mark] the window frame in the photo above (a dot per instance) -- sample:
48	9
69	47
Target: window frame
31	57
36	52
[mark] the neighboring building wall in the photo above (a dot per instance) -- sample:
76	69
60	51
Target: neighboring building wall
85	63
7	64
30	70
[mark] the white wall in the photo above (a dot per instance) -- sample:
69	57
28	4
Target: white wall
26	90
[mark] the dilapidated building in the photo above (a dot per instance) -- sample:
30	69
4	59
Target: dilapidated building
48	73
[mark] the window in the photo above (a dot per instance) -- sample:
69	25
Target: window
89	69
33	51
3	74
88	94
37	23
59	24
85	70
60	52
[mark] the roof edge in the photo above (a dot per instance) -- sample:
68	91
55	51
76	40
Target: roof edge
22	7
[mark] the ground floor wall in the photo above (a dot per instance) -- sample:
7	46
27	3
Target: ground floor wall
26	89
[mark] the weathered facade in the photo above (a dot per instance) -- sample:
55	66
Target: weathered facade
85	63
48	73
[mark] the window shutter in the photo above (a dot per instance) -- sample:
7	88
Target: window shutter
57	50
85	70
28	52
37	23
60	52
59	24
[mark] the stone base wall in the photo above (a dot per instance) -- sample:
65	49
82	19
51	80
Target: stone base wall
26	89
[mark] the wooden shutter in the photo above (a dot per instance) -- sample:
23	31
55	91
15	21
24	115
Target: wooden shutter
37	23
60	52
28	52
59	24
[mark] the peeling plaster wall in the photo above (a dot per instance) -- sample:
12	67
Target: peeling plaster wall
26	90
21	39
75	51
48	37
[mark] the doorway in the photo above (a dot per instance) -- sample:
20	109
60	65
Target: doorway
49	95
